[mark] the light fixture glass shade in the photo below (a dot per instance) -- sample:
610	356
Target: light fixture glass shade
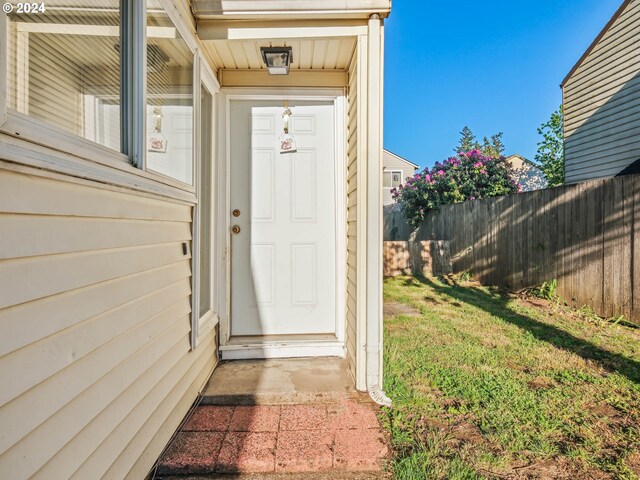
277	59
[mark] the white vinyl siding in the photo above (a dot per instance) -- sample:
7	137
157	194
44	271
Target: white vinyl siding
95	306
352	217
602	103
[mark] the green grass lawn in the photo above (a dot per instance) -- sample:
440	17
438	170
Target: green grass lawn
488	385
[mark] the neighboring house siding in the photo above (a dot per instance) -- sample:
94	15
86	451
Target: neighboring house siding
393	163
352	216
526	174
95	301
602	103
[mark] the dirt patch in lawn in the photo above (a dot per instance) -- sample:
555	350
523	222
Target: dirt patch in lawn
392	309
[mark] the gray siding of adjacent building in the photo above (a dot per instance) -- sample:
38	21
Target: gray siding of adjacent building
392	162
601	98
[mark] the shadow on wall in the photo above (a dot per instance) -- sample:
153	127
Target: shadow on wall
605	142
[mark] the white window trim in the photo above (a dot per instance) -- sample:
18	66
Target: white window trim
201	325
391	172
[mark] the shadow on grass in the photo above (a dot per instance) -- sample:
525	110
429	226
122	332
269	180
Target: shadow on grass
497	305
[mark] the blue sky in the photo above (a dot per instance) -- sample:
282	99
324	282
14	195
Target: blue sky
492	65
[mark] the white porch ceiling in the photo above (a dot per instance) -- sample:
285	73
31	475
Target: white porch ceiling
308	54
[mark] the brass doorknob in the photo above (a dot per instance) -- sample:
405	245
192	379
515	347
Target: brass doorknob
236	213
235	229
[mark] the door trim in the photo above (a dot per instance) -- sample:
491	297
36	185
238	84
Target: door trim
283	349
293	347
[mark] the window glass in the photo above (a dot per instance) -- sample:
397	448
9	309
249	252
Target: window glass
64	67
205	201
169	142
396	179
392	179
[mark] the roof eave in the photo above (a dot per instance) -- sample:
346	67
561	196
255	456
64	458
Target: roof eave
289	9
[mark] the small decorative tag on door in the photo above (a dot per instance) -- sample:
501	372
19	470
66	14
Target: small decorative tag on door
287	142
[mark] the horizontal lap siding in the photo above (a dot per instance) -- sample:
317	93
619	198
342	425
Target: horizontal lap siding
95	302
602	104
352	220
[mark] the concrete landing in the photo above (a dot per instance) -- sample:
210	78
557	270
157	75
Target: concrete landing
278	381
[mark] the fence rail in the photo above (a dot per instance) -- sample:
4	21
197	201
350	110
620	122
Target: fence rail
586	236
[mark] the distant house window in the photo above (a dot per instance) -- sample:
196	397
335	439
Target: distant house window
392	178
63	69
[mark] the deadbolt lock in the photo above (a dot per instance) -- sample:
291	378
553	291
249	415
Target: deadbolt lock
236	213
235	229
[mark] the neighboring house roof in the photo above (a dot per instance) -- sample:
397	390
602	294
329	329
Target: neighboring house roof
401	158
597	39
510	159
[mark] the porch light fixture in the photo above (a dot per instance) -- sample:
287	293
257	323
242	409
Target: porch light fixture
277	59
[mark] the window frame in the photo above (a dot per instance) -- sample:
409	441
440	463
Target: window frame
202	324
391	172
37	131
133	37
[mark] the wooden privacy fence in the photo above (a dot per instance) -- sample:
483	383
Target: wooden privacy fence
428	258
586	236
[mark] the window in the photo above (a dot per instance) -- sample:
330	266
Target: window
392	178
205	204
169	135
204	300
63	69
74	81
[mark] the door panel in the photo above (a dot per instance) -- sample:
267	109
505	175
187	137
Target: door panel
283	269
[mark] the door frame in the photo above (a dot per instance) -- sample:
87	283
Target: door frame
280	347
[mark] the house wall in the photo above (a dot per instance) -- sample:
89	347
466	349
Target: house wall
602	103
352	215
526	174
391	162
95	301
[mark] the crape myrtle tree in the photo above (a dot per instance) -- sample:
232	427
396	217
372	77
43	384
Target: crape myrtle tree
468	176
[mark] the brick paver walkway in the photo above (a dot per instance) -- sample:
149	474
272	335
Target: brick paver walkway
342	435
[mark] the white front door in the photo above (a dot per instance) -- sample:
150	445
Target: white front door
283	259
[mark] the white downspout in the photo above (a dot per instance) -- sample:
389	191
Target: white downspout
374	212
